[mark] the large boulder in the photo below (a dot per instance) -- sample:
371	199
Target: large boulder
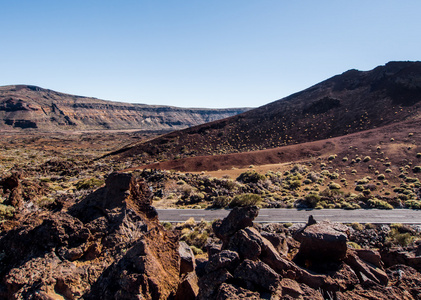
238	218
321	242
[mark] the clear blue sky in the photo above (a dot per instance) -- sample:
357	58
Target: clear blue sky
219	53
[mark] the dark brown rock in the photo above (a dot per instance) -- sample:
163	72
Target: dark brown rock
226	259
363	270
210	283
238	218
323	241
247	246
279	242
257	274
371	256
230	292
290	288
188	288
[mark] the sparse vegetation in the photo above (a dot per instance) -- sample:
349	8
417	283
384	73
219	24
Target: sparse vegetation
245	200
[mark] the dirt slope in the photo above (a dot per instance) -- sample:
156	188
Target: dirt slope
365	142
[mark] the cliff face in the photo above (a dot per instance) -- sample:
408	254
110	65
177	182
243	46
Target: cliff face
23	107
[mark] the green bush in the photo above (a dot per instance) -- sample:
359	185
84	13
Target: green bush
402	239
6	211
89	183
334	186
250	177
376	203
366	159
414	204
416	169
357	226
245	200
381	177
312	199
221	201
353	245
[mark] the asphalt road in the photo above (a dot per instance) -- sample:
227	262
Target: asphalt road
301	216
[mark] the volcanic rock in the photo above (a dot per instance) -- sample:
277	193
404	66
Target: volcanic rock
238	218
323	241
104	247
258	275
187	260
188	288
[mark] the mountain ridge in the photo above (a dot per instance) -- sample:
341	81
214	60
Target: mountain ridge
351	102
28	106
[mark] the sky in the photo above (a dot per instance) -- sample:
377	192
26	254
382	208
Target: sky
219	53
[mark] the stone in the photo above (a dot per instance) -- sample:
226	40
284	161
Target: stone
187	260
226	259
259	274
230	292
245	245
323	241
290	288
363	270
211	282
238	218
279	242
188	289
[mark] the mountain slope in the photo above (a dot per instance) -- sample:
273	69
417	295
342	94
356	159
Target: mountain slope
351	102
23	106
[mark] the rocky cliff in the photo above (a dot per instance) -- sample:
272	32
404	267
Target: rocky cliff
24	106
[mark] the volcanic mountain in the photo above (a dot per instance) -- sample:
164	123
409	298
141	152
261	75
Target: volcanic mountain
351	102
25	106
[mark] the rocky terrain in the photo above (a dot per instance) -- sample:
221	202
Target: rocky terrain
110	245
351	102
77	222
31	107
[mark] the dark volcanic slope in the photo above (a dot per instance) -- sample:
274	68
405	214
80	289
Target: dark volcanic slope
351	102
23	106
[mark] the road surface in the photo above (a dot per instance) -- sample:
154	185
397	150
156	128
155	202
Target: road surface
378	216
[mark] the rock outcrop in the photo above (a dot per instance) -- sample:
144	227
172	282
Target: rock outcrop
108	246
251	265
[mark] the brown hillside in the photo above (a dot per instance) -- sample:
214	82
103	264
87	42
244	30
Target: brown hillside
31	107
348	103
364	143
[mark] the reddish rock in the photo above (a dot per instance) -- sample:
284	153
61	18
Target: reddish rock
92	251
188	288
290	288
187	260
363	270
230	292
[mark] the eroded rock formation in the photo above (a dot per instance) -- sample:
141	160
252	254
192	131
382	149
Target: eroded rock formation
108	246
